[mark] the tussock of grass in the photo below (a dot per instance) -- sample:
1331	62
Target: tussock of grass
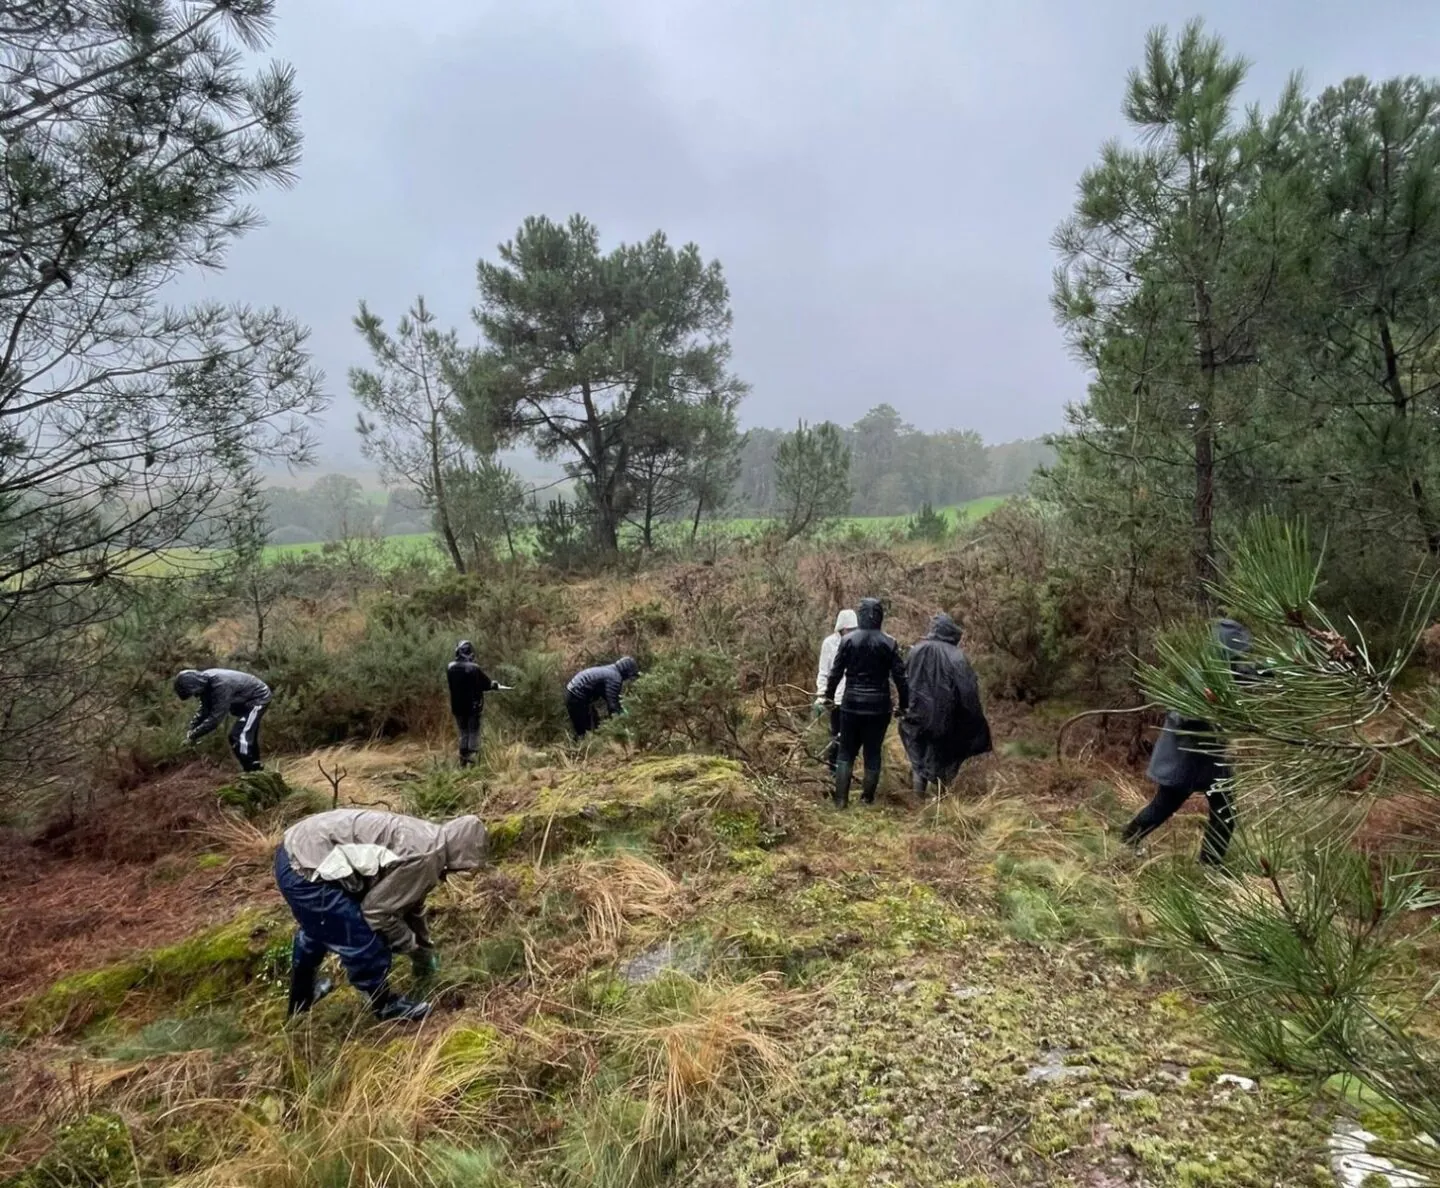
616	891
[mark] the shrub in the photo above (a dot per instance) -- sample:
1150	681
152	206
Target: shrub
927	524
255	792
443	792
534	707
688	700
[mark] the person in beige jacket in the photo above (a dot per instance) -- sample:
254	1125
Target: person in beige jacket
356	881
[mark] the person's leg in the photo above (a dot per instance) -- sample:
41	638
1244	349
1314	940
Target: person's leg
1219	827
250	738
582	718
236	729
468	726
832	749
306	953
1161	808
331	919
851	735
875	727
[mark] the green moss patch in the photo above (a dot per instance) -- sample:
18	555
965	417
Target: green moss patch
200	971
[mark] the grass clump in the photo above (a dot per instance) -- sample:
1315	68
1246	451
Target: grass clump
255	792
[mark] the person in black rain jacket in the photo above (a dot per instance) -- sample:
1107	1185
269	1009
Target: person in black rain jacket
868	662
603	682
1188	758
468	686
227	691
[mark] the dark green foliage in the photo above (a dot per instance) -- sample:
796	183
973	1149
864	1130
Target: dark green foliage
564	534
929	525
687	700
389	681
1308	961
443	792
812	479
255	792
534	708
611	361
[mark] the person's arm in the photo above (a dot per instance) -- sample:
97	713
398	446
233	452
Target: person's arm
897	674
210	714
837	669
483	682
398	892
827	662
614	684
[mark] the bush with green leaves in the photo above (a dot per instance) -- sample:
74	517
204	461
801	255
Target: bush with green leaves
688	700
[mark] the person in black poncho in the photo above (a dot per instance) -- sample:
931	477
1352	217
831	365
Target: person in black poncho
946	724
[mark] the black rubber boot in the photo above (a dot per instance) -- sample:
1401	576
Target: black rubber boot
872	782
844	772
305	992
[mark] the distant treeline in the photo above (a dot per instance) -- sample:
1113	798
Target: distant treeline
894	470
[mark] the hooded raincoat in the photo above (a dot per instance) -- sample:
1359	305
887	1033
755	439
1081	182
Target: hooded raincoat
387	862
846	620
946	723
1187	757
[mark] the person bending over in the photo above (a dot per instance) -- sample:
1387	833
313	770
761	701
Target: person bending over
588	688
356	882
868	661
225	691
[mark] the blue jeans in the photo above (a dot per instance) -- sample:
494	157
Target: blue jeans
330	920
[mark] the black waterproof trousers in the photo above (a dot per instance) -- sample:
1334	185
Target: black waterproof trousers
245	738
468	727
863	734
583	717
1165	802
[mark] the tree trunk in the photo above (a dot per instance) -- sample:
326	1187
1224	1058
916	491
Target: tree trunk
442	507
695	523
1400	400
1204	440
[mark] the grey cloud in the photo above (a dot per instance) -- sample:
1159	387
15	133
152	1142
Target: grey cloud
880	180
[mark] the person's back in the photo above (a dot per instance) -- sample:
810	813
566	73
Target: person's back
946	723
868	663
601	682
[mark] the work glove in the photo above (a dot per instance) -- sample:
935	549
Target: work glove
425	963
818	708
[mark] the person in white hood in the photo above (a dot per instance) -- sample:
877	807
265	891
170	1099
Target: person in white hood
845	622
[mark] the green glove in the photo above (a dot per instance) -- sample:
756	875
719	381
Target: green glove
425	963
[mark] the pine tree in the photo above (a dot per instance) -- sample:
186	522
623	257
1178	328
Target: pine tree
1303	949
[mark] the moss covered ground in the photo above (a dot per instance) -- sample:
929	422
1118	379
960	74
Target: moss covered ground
678	974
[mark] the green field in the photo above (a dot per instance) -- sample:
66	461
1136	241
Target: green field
399	550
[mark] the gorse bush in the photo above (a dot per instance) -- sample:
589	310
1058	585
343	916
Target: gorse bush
688	700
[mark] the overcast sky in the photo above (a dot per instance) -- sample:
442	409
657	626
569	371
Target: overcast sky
879	178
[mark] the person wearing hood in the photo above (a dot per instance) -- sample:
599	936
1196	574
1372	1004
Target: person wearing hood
356	882
1188	758
468	686
226	691
592	685
845	622
868	661
946	723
